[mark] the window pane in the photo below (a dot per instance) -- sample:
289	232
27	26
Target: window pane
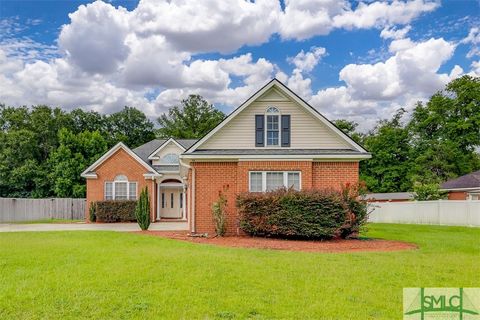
272	138
108	191
171	200
293	180
272	122
163	200
120	190
132	191
255	181
181	200
274	180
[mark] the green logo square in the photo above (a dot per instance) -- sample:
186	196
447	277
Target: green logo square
441	303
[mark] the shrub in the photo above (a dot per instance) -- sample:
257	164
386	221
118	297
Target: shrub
142	210
357	210
92	216
219	214
116	211
428	191
309	214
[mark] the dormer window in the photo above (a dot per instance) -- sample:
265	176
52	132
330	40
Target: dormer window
170	158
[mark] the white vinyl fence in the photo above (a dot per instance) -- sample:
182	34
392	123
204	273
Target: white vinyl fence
441	212
17	209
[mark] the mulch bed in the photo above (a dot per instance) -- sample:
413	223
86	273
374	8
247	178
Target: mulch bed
340	245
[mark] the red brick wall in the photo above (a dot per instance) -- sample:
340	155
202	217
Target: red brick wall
457	195
327	175
213	177
119	163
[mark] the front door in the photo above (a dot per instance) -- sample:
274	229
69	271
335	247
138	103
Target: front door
171	203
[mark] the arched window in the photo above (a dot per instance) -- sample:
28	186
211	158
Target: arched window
273	126
120	189
272	110
170	158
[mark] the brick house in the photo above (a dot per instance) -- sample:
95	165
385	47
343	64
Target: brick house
274	139
466	187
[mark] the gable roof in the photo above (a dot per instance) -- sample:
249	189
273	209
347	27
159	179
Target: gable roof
145	150
468	181
292	95
90	171
153	153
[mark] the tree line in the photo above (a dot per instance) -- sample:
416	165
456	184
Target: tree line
43	150
438	141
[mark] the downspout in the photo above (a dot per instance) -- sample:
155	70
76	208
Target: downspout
192	192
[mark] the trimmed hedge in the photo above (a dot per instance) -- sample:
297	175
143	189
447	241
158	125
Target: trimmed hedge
309	214
116	211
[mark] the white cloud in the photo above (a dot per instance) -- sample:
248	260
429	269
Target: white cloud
394	33
377	90
110	57
473	38
203	26
307	61
377	14
95	37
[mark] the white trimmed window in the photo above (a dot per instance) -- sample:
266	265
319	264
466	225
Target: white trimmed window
120	189
272	126
261	181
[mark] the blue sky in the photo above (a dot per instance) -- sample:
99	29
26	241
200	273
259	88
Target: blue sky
152	54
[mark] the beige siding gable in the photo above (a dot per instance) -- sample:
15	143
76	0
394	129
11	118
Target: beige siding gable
273	95
171	147
307	131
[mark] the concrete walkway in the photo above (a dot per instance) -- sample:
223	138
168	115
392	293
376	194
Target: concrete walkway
165	226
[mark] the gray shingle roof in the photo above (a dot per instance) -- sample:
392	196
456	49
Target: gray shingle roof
267	151
471	180
146	149
390	196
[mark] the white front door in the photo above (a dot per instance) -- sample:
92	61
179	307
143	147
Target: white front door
171	203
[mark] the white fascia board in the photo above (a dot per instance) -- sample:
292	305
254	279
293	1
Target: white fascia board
283	157
88	172
163	145
462	189
285	90
89	176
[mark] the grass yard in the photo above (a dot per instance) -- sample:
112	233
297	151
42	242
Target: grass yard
108	275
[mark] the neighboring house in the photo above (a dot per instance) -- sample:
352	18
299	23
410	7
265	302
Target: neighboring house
274	139
390	197
466	187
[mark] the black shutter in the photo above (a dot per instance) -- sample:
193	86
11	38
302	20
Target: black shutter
286	130
259	130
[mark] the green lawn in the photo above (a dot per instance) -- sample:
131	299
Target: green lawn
108	275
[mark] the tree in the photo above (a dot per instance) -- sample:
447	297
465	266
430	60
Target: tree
88	121
75	153
446	131
130	126
429	191
142	210
388	169
349	128
194	118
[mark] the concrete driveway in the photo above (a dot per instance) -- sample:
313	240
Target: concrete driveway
165	226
